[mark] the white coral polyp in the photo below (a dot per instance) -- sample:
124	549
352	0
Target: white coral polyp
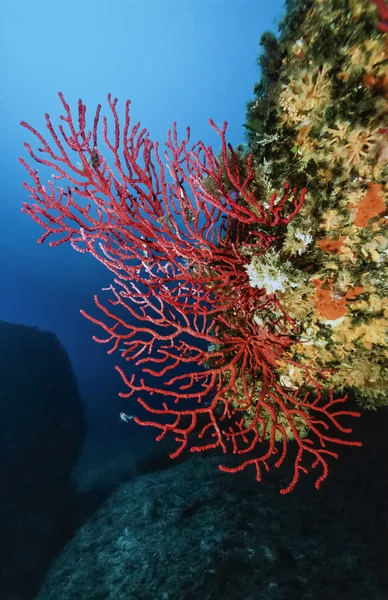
305	239
267	276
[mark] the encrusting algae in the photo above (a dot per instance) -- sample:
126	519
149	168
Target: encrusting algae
319	120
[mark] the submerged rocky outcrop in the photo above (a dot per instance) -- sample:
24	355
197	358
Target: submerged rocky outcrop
41	432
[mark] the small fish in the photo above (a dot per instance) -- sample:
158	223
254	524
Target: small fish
126	418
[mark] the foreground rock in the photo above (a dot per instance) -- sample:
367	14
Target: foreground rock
192	532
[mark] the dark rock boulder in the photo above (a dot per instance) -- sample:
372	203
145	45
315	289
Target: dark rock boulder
41	431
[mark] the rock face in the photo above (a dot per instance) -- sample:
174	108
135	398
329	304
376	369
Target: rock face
194	533
41	431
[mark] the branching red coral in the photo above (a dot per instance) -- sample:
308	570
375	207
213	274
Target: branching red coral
181	307
382	7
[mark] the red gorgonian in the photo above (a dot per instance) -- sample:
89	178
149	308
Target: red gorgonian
181	306
382	8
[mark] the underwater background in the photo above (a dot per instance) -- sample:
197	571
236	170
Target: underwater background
183	62
91	507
